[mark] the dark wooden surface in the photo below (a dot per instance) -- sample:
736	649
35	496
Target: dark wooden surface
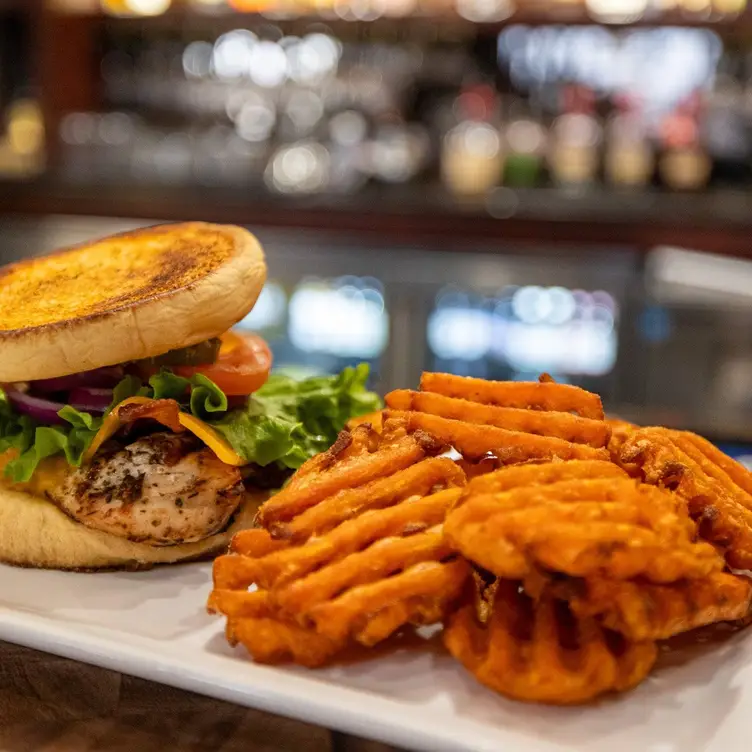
51	704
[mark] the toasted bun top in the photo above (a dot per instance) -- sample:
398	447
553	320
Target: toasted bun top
127	297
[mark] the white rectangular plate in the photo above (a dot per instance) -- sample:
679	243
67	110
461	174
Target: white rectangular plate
153	625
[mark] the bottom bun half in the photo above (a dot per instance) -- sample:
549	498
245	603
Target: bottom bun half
35	533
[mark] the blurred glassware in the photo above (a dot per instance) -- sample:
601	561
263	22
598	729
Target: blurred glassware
298	168
255	117
375	107
541	59
397	152
301	111
349	165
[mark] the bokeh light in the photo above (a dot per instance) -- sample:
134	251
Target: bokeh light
345	317
270	309
529	329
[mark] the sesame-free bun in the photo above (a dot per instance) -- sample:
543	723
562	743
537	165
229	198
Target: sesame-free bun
126	297
35	533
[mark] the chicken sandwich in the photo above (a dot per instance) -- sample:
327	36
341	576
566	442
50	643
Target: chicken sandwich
136	427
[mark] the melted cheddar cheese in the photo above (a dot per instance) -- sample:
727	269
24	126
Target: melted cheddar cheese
197	427
50	473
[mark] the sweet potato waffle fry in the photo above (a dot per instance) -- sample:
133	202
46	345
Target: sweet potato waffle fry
592	526
356	469
375	420
251	618
545	394
511	421
539	651
717	490
542	474
417	480
353	552
568	427
644	611
621	430
252	622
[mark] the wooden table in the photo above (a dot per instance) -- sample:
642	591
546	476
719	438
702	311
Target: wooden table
51	704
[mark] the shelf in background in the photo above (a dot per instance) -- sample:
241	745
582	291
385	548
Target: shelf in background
563	13
718	221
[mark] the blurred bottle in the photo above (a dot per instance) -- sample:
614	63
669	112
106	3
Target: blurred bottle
576	136
695	9
251	6
22	150
729	8
525	139
135	7
724	126
684	164
628	160
471	154
398	151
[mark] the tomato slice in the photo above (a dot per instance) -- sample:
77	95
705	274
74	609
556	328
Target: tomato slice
242	366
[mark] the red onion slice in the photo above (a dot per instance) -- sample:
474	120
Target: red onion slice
42	410
90	400
98	378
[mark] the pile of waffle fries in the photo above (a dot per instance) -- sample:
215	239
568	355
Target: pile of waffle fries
556	548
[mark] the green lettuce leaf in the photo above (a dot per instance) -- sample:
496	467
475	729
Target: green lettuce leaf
206	397
258	438
289	421
34	443
130	386
168	385
16	431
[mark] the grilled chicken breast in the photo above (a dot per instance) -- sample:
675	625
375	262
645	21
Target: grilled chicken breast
162	489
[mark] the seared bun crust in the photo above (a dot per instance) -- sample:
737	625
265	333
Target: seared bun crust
35	533
126	297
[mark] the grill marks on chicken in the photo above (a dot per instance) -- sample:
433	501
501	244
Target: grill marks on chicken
162	489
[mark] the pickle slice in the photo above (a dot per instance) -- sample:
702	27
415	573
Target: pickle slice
200	354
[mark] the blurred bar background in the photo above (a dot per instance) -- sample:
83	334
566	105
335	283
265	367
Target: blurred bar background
489	187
